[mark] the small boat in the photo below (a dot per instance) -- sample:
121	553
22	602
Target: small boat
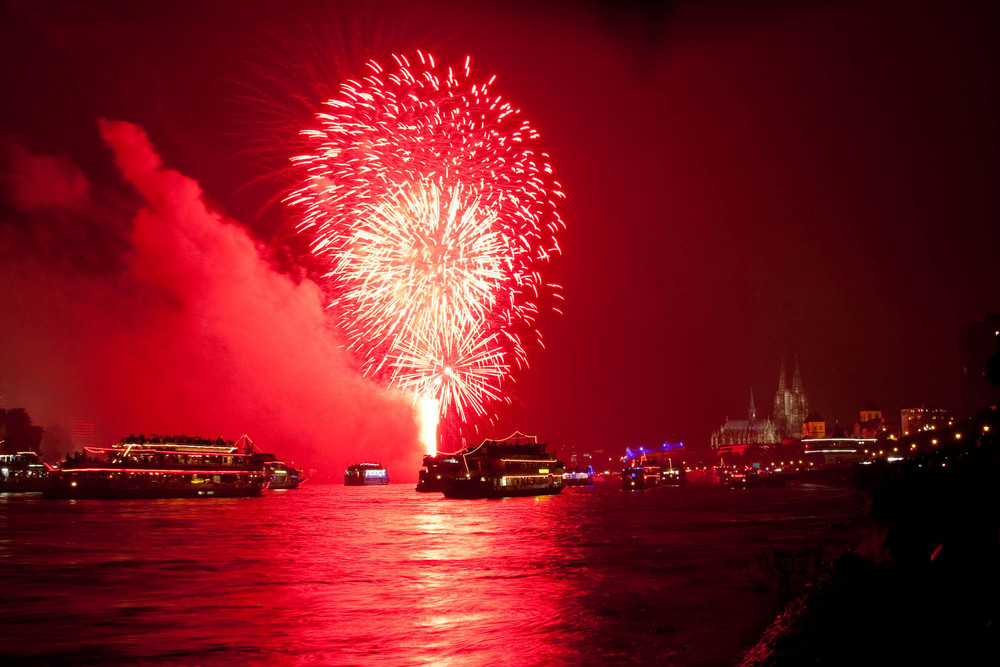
280	475
437	470
645	473
672	476
23	472
579	477
161	467
366	474
639	477
517	466
755	479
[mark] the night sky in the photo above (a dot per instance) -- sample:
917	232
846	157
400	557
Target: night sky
810	180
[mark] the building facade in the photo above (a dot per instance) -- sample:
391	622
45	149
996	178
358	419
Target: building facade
814	427
749	431
919	419
870	423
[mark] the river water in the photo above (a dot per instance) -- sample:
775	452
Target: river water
336	575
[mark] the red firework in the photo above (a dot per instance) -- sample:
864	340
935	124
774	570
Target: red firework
429	201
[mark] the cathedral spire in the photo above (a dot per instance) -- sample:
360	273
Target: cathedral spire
779	415
753	411
797	378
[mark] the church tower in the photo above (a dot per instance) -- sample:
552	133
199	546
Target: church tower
779	415
790	405
798	408
752	412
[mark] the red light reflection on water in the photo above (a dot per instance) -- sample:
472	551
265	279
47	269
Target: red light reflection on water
431	579
386	576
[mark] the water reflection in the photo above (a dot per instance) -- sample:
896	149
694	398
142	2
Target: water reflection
384	575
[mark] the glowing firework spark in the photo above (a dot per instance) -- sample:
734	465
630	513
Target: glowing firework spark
427	199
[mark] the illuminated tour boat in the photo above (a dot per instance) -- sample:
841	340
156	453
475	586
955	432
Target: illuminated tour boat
516	466
366	474
23	472
162	467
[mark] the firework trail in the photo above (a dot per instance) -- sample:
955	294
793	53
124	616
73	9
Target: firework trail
427	199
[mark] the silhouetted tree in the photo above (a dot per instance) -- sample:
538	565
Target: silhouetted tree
18	433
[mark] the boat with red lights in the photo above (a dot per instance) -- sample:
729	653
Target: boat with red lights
366	474
162	467
515	466
23	472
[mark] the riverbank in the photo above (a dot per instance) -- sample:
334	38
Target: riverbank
923	581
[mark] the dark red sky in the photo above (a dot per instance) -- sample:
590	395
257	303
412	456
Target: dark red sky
811	179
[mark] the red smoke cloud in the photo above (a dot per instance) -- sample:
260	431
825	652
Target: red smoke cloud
40	182
198	334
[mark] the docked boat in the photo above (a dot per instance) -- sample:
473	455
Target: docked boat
366	474
23	472
517	466
162	467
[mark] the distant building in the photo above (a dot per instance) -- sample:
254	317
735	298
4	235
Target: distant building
749	431
790	405
83	434
813	426
870	423
578	460
919	419
977	342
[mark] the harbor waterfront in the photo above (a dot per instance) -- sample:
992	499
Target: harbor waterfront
330	574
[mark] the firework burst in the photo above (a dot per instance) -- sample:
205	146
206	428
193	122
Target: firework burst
427	199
